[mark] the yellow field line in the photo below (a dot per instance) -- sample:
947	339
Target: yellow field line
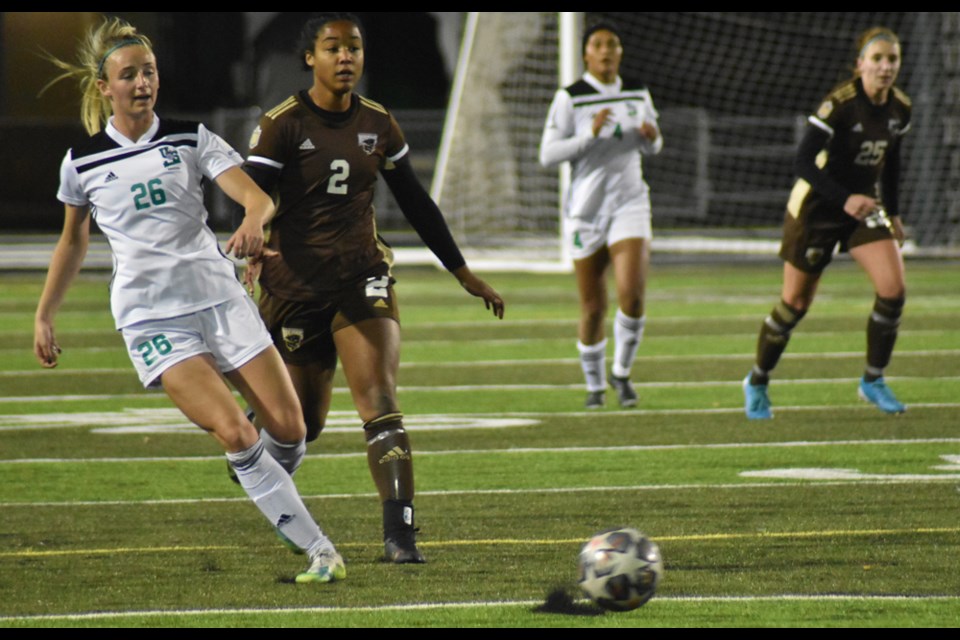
717	536
759	535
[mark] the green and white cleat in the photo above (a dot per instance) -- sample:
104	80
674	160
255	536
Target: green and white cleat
327	566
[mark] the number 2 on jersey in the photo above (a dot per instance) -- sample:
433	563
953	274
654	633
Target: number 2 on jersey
337	184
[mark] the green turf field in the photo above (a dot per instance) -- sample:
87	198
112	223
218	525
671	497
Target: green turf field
115	512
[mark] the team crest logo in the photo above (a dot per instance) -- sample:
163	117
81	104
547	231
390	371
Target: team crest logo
814	255
292	338
825	110
170	156
255	137
894	125
367	142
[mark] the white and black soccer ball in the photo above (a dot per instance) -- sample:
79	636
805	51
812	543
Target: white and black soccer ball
619	569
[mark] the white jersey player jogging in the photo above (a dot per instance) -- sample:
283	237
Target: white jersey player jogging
147	199
606	169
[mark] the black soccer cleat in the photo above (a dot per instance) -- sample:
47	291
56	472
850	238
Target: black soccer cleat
401	548
626	394
595	400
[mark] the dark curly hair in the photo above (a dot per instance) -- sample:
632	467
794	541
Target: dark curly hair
308	35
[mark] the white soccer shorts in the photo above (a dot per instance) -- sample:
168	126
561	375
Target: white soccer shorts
586	237
232	332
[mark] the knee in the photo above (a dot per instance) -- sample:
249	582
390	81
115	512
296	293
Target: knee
890	308
593	312
377	403
894	297
799	303
235	433
286	426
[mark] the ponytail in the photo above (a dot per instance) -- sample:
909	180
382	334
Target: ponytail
100	42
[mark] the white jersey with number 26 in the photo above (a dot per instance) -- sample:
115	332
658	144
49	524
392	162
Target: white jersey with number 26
146	197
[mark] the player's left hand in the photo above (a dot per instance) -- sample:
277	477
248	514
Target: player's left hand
247	241
254	267
477	287
648	131
899	233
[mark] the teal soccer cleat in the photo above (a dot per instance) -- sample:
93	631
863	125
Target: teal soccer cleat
756	401
879	394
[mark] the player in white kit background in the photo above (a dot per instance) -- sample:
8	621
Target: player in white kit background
601	126
174	294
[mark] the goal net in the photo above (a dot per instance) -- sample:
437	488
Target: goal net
733	90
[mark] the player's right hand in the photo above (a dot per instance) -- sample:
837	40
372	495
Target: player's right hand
860	206
254	267
600	120
45	345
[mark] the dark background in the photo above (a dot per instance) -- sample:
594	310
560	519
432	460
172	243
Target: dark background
207	61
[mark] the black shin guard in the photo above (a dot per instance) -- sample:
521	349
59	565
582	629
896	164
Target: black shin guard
882	328
389	457
773	339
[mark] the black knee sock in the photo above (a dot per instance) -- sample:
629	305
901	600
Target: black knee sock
882	330
389	457
773	339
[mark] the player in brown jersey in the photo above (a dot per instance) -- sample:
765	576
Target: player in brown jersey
326	285
847	194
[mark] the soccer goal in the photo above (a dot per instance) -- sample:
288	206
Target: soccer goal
733	90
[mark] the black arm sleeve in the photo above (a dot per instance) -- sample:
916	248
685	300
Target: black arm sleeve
265	178
423	214
814	140
890	181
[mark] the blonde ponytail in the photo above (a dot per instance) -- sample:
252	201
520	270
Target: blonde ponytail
100	42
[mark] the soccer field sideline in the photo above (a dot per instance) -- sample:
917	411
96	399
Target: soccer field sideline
492	604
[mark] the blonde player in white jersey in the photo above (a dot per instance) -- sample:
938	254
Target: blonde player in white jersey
174	295
601	127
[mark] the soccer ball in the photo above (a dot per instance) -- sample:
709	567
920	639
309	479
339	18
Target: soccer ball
619	569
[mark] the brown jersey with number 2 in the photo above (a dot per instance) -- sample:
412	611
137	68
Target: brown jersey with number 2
324	229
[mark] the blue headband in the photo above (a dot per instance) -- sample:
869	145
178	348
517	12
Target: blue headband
879	36
123	43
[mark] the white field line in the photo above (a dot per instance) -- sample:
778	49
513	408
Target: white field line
18	373
520	450
495	604
513	387
731	486
168	419
905	333
929	307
